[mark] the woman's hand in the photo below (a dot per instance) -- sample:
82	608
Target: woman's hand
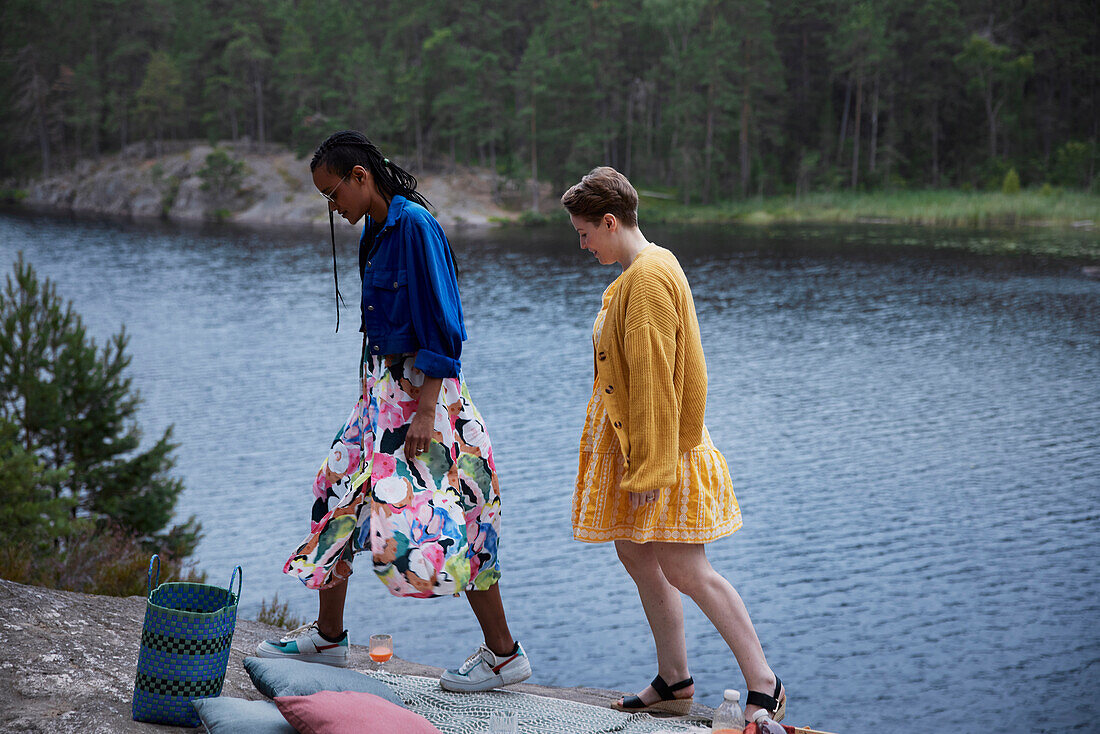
419	436
638	499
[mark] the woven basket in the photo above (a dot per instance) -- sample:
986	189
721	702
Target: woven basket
185	645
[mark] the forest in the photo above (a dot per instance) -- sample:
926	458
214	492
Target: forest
704	99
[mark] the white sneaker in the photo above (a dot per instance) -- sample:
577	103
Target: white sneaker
306	643
484	670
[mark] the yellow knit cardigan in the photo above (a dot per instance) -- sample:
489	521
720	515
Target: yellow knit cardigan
651	371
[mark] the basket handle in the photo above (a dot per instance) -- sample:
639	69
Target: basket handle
153	581
238	574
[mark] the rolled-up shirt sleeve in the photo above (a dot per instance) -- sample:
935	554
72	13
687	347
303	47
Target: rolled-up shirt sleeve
433	298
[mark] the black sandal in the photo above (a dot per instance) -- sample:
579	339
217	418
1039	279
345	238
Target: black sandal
668	703
775	707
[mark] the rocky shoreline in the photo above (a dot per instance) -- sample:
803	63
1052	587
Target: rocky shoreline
70	659
164	181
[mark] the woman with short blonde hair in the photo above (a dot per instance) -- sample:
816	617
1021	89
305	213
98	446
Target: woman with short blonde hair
649	477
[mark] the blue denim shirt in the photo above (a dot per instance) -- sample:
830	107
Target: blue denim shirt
410	291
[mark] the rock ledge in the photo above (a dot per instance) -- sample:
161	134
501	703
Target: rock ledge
69	663
146	181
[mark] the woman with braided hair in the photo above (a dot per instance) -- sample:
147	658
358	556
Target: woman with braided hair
411	473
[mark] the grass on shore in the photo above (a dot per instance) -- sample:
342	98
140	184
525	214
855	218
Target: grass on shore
107	561
278	615
1045	206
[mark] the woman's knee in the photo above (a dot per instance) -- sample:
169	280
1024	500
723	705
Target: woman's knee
635	557
688	573
683	580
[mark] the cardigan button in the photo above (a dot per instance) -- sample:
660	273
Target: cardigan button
370	308
610	389
618	424
395	284
603	356
368	263
376	347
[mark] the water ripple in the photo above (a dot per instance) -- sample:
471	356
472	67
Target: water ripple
913	434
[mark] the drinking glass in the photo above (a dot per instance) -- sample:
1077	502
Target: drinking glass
503	722
381	650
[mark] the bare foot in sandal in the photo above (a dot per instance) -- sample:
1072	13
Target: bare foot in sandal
660	696
774	704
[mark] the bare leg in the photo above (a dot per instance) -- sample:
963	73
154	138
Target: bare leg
663	611
330	617
686	567
489	610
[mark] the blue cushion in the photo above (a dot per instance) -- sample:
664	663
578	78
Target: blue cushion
224	715
285	677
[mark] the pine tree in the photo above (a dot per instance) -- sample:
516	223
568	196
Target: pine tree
73	408
159	100
994	73
30	514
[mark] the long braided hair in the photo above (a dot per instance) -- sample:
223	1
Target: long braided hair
347	149
343	151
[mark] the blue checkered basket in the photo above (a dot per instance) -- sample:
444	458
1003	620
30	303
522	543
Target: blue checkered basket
184	647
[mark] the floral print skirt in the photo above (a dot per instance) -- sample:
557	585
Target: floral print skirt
431	524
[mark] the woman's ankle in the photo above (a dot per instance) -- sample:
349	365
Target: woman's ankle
678	677
330	631
501	649
333	638
764	684
685	692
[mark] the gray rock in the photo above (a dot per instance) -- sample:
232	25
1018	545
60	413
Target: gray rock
70	659
150	180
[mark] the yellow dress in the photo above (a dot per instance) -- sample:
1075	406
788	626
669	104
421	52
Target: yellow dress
698	508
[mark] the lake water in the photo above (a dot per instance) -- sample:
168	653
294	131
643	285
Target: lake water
914	435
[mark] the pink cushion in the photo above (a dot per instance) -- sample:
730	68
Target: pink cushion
350	712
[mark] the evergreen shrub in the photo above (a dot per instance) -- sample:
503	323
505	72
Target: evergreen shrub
1073	162
222	175
82	504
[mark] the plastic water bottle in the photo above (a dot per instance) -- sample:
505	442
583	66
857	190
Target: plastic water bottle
729	719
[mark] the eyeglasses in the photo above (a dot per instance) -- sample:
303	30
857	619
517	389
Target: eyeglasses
328	196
